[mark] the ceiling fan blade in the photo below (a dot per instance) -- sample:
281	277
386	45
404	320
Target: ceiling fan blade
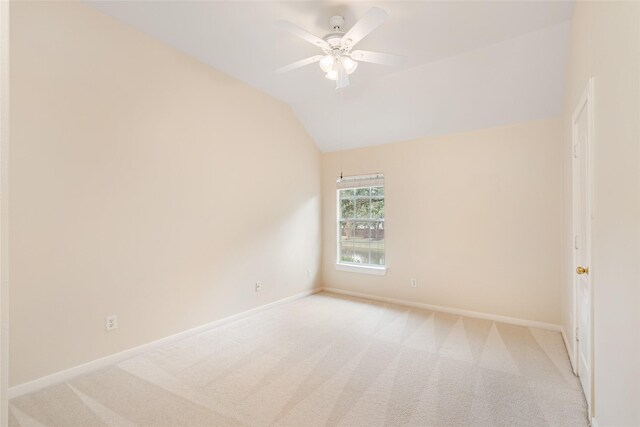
378	57
299	64
303	34
369	22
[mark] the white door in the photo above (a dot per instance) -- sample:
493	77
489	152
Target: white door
582	138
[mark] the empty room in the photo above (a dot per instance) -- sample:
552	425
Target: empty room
319	213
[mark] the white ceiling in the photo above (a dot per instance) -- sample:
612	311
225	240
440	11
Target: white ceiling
471	64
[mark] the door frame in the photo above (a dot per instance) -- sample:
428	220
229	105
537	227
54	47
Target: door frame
4	211
586	101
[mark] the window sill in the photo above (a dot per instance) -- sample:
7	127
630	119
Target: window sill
364	269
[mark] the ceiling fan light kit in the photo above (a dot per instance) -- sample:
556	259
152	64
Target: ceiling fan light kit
339	61
326	63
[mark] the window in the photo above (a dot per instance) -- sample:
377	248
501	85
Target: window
361	222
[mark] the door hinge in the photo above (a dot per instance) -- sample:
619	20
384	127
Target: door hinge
577	334
575	241
575	151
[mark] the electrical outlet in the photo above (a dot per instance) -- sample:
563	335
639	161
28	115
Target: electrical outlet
258	286
414	283
111	322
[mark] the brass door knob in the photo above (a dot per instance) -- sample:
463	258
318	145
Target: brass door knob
582	270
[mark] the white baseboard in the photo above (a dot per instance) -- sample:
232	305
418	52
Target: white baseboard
458	311
116	358
569	349
594	423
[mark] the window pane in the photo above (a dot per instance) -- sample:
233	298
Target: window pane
346	208
361	216
361	243
363	208
362	192
347	229
377	191
377	243
347	193
377	208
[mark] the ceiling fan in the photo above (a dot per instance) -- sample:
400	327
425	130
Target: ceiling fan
338	59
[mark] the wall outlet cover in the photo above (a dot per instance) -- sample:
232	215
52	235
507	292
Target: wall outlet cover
111	322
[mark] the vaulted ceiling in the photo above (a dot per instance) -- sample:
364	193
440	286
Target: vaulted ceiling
470	65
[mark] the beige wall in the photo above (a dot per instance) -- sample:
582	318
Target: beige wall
143	184
605	44
475	217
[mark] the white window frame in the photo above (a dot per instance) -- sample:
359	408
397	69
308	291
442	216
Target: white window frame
378	270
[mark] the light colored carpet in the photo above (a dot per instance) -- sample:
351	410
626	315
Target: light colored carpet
329	360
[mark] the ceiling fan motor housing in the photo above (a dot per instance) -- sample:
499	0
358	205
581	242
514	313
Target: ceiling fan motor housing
334	39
